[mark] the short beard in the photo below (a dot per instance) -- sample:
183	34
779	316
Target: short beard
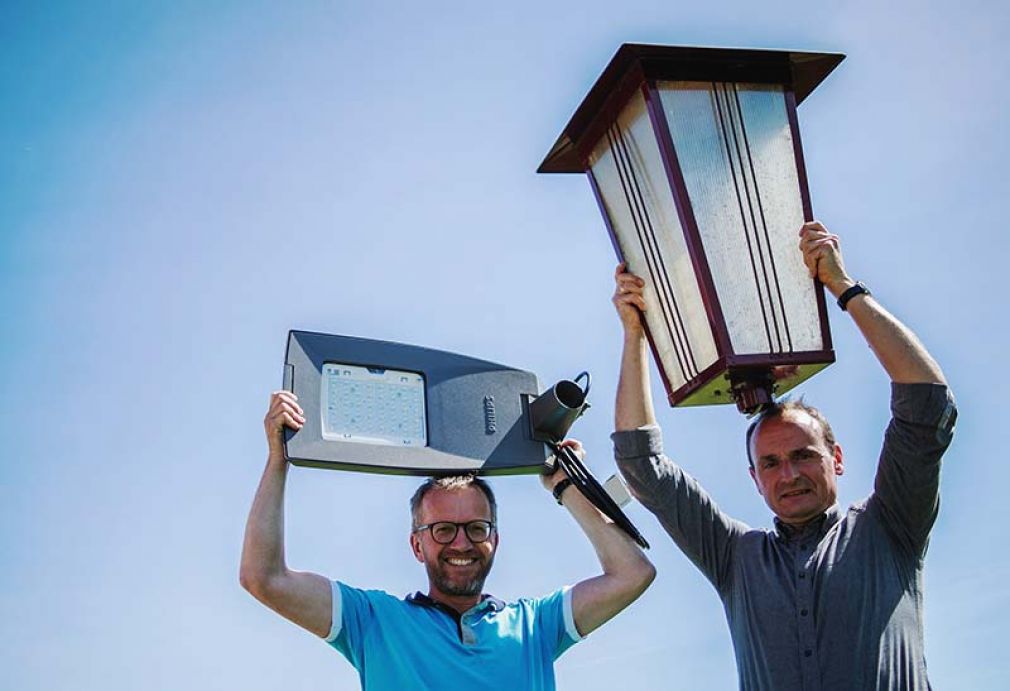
474	586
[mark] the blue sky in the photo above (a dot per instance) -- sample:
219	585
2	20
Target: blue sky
181	183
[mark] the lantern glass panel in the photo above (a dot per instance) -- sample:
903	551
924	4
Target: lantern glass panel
630	177
736	152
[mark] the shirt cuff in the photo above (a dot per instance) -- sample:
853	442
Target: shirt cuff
337	623
569	614
636	443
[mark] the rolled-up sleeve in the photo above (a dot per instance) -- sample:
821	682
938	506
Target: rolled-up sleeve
907	486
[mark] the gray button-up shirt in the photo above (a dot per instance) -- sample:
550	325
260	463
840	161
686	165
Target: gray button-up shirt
837	605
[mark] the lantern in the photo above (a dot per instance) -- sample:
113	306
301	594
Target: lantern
694	157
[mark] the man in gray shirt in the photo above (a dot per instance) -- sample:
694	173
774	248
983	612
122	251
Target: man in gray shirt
831	598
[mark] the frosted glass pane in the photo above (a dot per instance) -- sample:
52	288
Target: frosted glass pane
629	173
735	149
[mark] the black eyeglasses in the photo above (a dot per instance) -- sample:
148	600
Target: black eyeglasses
444	532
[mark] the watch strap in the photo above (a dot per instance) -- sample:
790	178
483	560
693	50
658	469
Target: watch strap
851	292
560	488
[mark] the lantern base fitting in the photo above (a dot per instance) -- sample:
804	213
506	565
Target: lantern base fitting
752	390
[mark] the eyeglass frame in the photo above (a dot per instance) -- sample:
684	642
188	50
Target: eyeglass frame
430	527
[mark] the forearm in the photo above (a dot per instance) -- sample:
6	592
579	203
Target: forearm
263	548
899	351
619	555
304	598
908	474
685	510
633	408
626	570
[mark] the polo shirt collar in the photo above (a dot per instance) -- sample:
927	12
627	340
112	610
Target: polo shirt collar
487	602
818	527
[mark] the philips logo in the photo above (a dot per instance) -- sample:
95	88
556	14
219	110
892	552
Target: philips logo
490	423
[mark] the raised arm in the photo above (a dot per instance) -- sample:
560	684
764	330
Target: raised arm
899	351
634	396
685	510
907	484
304	598
627	572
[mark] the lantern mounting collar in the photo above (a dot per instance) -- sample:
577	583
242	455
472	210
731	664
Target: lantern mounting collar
635	63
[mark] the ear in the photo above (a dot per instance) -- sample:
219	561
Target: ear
415	547
839	463
754	477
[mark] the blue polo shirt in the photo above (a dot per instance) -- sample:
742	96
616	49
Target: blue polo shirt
417	643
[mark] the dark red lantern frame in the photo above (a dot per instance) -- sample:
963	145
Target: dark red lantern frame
750	379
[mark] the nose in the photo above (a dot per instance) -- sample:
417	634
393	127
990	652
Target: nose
461	542
789	472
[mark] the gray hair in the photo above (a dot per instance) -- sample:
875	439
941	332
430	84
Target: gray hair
450	483
776	409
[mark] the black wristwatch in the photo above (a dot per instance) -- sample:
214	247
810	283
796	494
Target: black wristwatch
851	292
560	488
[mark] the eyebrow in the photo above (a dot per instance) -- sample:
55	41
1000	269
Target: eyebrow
793	453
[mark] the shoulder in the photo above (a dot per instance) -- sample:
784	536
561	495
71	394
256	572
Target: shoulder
552	612
755	538
349	595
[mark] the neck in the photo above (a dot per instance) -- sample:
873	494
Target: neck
800	526
460	603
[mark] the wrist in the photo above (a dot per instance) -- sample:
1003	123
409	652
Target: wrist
850	294
559	489
839	286
275	456
634	336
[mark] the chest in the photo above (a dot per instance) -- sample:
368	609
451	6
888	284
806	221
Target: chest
477	652
838	578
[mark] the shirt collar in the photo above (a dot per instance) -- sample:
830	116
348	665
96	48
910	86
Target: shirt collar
817	527
487	602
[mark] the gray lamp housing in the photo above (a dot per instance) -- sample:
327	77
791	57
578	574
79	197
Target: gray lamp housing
383	407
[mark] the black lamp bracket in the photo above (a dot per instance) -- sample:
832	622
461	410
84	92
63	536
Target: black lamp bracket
551	416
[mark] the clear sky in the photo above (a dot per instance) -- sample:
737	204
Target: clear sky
183	182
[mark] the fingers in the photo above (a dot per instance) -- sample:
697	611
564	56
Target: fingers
812	241
822	256
628	290
814	251
573	444
629	301
627	283
626	279
284	411
813	233
817	243
552	473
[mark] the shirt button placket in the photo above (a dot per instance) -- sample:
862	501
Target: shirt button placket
465	626
805	622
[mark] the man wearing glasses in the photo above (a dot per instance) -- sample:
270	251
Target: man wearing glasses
454	635
832	598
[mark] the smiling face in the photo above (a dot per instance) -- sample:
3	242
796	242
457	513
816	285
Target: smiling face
459	568
795	469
